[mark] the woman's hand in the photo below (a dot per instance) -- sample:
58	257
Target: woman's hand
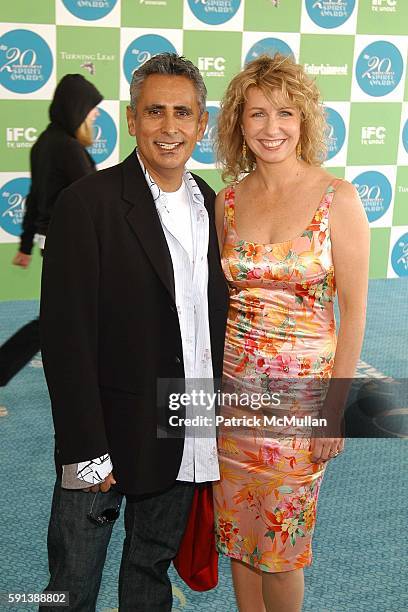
21	259
323	449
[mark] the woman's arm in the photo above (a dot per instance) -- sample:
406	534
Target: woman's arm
350	237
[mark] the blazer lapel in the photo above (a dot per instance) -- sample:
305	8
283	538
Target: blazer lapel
144	221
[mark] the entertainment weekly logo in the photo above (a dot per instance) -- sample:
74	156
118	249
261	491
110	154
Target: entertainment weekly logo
153	2
326	69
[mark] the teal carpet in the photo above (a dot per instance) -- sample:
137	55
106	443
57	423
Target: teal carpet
361	540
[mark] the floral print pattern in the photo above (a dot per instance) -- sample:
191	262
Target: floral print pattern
280	329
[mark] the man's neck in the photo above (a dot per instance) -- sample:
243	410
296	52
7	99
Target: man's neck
168	179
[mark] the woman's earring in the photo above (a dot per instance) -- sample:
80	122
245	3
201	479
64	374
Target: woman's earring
299	150
244	150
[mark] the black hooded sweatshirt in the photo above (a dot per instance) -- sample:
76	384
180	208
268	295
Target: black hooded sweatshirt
58	159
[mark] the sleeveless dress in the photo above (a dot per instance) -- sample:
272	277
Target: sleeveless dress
281	327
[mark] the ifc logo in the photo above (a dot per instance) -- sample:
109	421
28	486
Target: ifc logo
12	204
25	61
405	136
105	136
379	68
214	12
375	192
142	49
330	14
91	10
204	150
268	46
336	133
399	256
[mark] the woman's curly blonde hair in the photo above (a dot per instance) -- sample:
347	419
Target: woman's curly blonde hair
269	73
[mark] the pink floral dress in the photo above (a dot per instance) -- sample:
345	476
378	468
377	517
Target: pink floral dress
281	326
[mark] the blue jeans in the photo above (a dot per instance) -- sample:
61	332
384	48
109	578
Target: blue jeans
77	547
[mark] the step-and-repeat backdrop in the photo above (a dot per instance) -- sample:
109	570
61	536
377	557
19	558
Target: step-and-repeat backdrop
356	50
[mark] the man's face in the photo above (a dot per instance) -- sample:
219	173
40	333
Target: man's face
167	123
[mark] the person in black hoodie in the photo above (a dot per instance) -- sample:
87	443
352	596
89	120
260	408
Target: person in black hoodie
57	159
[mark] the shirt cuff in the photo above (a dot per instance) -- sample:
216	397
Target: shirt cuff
40	240
95	470
81	475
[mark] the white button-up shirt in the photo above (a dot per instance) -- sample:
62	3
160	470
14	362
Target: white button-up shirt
185	223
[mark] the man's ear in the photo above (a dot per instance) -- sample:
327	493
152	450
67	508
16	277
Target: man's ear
202	124
130	116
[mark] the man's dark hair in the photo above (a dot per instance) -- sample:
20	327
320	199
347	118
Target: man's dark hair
168	64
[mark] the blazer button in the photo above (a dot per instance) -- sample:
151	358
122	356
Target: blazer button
177	359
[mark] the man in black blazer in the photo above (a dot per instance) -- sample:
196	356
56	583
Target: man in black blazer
129	301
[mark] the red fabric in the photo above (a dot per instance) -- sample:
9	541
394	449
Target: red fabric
197	558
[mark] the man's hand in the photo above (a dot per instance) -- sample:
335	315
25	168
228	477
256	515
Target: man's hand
103	486
21	259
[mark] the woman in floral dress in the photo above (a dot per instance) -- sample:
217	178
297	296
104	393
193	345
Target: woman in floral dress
290	236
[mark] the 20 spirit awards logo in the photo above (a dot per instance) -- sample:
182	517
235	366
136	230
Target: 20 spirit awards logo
336	134
375	192
204	150
142	49
405	136
379	68
214	12
399	256
12	204
105	137
268	46
25	61
330	14
89	10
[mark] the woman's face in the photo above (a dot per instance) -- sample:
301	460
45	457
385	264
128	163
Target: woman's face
85	133
91	116
271	126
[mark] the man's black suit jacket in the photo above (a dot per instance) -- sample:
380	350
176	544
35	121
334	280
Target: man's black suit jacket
109	325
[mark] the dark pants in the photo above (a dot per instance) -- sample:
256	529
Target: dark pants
77	547
18	350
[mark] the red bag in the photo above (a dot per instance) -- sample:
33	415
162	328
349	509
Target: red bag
197	558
